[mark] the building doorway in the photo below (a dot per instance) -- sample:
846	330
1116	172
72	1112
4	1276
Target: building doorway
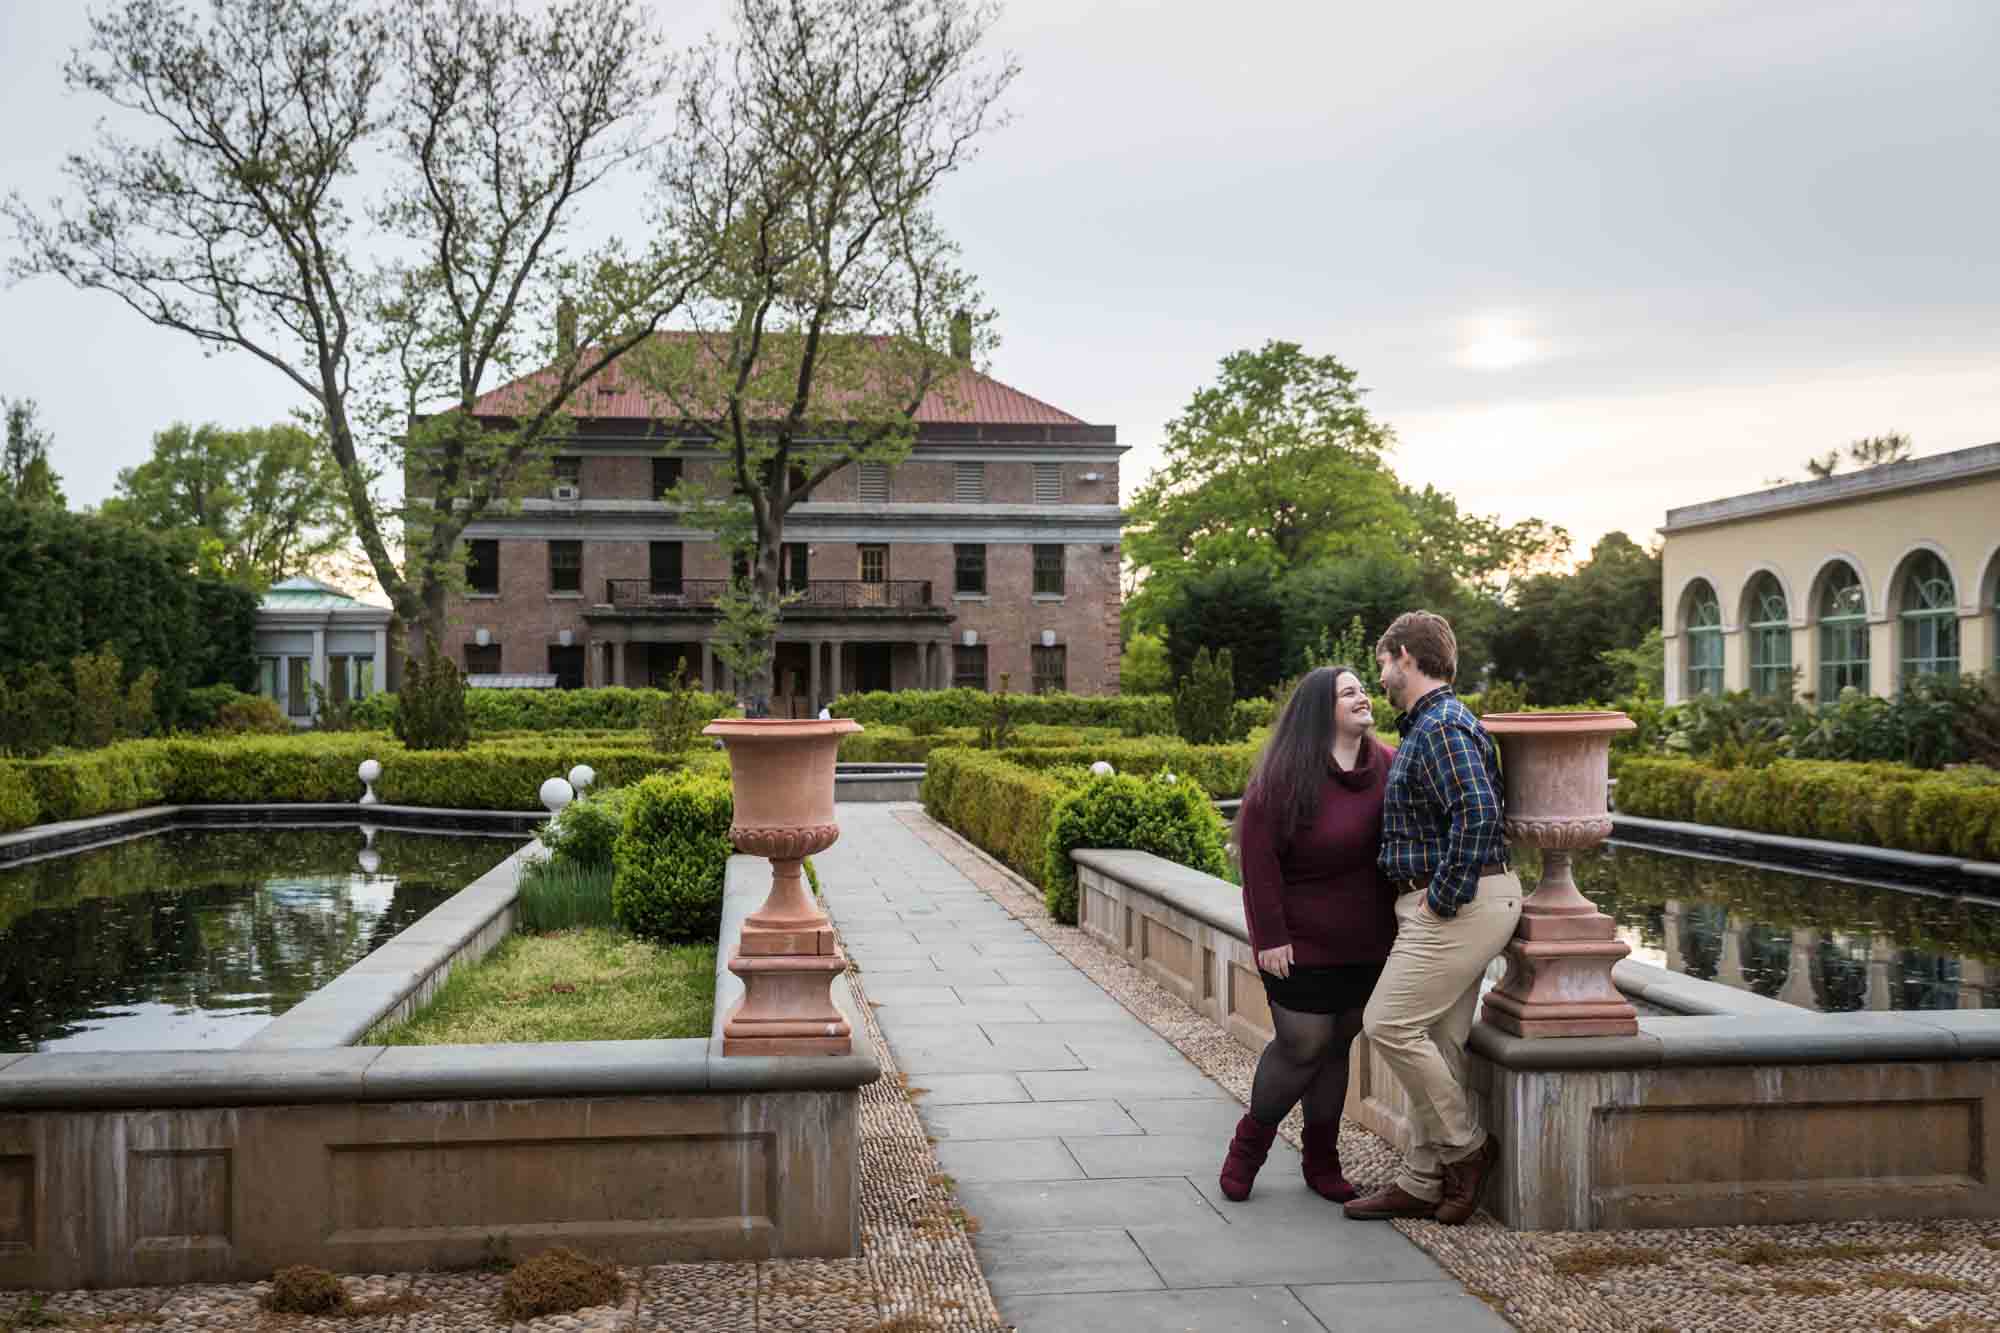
566	665
873	669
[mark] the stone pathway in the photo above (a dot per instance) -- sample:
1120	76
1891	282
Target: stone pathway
1084	1146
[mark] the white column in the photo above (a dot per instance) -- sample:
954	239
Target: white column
319	661
813	647
382	658
1798	988
833	655
1676	668
1882	955
618	651
707	665
1885	667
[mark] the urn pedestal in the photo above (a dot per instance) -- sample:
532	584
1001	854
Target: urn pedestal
1558	981
781	777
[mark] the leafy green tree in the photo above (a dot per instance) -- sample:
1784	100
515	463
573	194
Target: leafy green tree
1559	626
805	163
1274	466
25	473
227	200
1234	609
265	503
1639	670
1144	668
1330	594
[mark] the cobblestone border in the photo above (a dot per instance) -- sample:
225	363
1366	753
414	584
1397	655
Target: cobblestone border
1888	1277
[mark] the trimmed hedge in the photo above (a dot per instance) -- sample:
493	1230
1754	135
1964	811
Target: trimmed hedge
1950	813
1132	714
672	857
312	767
611	708
1220	770
996	803
887	743
1175	820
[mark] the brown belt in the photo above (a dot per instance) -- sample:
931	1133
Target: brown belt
1419	885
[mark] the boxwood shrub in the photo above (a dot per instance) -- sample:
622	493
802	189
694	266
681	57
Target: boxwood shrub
672	854
1175	820
997	804
610	708
1951	813
316	767
586	831
1132	714
890	743
1220	770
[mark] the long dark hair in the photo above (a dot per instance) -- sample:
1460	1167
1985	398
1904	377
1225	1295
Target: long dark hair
1287	778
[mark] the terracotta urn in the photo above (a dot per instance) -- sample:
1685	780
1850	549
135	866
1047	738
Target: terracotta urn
1556	767
781	777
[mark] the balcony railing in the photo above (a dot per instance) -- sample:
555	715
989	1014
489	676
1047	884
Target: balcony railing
815	594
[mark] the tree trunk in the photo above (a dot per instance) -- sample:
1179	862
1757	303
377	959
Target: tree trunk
766	580
433	618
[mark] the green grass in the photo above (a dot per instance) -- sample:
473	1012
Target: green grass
563	896
583	985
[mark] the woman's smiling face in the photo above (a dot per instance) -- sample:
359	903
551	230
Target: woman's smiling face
1353	714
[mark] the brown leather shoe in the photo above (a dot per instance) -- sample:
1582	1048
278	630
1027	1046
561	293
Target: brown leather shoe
1463	1182
1386	1204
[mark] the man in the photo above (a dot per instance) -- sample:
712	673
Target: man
1444	851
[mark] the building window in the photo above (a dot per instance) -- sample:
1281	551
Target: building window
666	476
969	563
1048	571
1929	616
267	678
968	667
969	483
798	566
663	569
1704	640
364	676
1048	483
874	564
566	665
568	472
298	686
1770	639
482	661
336	680
565	566
1051	669
872	482
1843	634
482	567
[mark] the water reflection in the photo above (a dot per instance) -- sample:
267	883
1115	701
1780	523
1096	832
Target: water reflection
196	938
1818	943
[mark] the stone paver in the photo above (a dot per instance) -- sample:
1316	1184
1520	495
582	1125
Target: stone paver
1084	1145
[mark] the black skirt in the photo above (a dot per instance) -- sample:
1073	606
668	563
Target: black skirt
1322	990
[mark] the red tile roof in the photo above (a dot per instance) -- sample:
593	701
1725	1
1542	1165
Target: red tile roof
965	397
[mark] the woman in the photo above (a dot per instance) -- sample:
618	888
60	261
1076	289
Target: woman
1321	917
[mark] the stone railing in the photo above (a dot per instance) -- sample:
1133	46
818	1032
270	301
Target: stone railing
1726	1108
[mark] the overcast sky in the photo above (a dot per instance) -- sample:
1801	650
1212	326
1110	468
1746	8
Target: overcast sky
1593	260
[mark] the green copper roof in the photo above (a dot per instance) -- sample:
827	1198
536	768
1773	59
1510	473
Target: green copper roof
304	594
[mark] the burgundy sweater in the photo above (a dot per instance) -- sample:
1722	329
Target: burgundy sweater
1321	892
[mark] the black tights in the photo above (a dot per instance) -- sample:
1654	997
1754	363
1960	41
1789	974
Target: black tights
1306	1060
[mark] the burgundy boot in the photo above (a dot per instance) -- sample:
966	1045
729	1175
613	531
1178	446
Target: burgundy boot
1321	1163
1247	1152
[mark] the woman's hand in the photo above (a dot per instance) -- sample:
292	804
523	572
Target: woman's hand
1278	961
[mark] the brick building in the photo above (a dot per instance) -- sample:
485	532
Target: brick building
991	549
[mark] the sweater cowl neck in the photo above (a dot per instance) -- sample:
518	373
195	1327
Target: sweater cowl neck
1365	762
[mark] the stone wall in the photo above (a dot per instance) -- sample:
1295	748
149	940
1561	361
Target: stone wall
1727	1108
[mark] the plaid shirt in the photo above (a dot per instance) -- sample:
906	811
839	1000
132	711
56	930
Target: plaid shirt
1442	816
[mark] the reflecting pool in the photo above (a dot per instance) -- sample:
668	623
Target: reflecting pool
1819	943
196	938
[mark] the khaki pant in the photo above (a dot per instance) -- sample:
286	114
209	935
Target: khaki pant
1421	1015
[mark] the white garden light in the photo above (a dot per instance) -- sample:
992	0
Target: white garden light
581	777
1102	768
557	794
370	773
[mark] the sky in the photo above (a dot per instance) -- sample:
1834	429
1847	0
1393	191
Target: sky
1592	261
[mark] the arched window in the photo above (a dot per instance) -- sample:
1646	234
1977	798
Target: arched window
1929	614
1843	633
1770	625
1704	640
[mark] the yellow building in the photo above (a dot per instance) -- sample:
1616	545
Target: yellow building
1865	579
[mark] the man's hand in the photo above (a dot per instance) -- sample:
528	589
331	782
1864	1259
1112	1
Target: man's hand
1278	961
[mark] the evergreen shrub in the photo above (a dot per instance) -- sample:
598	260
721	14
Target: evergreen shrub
1175	820
587	829
604	709
1133	714
999	805
430	712
671	856
1205	699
